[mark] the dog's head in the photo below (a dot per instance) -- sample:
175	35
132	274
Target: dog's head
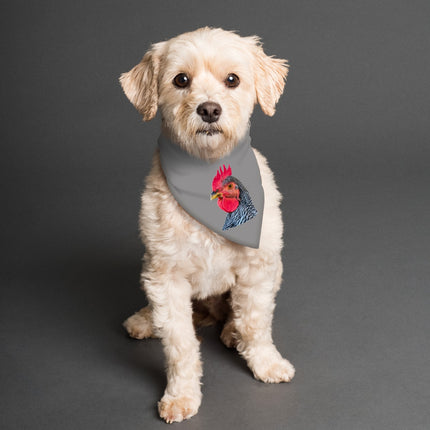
206	84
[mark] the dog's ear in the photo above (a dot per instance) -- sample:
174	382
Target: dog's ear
140	84
270	76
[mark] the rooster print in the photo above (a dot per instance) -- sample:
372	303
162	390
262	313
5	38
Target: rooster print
233	198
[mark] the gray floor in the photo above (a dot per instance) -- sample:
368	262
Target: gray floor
349	146
352	316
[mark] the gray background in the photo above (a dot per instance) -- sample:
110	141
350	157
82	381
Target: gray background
349	146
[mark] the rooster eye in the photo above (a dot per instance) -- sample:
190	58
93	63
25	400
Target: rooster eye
232	80
181	80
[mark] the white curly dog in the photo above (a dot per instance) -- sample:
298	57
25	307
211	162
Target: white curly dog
187	267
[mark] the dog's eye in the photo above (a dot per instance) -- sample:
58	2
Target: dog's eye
181	80
232	80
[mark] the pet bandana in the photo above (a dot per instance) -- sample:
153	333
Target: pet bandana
225	195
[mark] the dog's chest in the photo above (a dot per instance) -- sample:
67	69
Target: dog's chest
214	273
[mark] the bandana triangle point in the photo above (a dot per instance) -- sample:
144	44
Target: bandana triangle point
236	186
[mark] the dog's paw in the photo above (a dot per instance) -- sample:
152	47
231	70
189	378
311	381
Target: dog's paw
274	371
139	325
228	335
177	409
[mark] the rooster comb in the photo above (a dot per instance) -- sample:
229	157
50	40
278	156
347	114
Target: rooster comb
221	174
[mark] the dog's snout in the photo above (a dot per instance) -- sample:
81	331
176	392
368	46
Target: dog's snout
209	111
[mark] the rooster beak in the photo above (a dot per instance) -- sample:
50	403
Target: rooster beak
214	195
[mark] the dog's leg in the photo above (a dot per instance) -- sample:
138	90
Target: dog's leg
139	325
253	305
170	296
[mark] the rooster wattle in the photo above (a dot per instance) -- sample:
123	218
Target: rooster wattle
233	198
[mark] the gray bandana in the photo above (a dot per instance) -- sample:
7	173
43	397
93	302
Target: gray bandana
225	195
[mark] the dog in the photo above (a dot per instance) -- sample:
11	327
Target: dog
190	273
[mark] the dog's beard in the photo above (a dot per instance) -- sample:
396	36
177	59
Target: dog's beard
202	140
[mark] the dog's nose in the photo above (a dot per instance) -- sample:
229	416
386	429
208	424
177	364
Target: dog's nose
209	111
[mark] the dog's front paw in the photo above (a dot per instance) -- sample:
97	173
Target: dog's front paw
273	370
176	409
